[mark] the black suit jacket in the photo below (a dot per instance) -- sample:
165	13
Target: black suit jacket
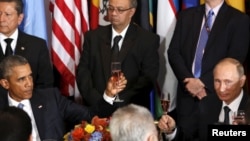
140	64
229	37
51	111
35	50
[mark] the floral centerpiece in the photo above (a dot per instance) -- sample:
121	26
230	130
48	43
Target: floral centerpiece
96	131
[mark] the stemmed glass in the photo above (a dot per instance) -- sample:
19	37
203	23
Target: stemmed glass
116	72
165	101
239	117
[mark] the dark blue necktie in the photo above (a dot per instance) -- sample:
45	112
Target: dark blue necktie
226	114
115	48
202	44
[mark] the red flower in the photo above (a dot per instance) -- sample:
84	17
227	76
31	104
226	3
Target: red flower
78	133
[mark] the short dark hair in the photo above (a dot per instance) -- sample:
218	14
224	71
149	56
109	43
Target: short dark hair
19	5
15	125
9	62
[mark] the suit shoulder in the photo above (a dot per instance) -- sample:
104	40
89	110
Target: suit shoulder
46	91
31	37
99	30
144	32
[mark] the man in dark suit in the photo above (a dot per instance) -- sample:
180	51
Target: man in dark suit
47	108
229	80
138	54
32	48
228	36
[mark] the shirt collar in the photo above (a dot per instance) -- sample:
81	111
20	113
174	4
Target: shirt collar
13	102
114	33
13	36
215	9
234	105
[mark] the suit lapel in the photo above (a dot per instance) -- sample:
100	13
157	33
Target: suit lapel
105	43
20	45
197	18
128	41
38	109
219	24
1	53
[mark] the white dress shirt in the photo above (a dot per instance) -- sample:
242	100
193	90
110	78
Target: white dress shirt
27	108
234	105
13	43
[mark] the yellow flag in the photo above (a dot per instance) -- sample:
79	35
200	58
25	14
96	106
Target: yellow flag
238	4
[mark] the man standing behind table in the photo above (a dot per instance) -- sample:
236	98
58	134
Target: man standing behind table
34	49
204	35
138	54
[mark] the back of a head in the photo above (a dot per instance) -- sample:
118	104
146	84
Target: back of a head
15	125
132	123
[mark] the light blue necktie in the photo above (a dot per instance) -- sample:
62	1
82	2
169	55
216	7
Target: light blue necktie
202	44
20	105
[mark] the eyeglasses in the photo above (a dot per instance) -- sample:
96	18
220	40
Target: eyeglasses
117	10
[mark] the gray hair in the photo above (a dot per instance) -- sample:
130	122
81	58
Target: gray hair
132	123
10	62
235	62
133	3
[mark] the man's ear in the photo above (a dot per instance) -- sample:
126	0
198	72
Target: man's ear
4	83
152	137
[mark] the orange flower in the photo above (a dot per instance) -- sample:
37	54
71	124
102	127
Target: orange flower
97	130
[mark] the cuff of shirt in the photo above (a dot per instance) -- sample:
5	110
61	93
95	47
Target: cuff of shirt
172	135
108	99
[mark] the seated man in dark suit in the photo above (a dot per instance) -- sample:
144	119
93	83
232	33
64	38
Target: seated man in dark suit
15	125
229	80
47	108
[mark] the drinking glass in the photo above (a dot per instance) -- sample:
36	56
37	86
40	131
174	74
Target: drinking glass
239	117
116	72
165	101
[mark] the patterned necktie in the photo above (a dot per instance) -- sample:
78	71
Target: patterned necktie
226	112
20	105
115	48
202	44
8	50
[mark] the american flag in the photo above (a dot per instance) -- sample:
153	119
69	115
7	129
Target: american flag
69	23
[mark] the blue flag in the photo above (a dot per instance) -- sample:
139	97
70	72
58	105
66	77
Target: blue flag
34	21
190	3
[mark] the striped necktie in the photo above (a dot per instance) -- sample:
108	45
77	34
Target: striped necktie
202	44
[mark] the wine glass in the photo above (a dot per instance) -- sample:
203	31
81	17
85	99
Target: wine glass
165	101
239	117
116	72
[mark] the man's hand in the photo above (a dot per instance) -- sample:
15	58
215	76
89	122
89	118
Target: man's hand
167	124
195	87
113	89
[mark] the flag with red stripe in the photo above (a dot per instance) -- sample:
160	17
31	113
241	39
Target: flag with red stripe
166	19
69	23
